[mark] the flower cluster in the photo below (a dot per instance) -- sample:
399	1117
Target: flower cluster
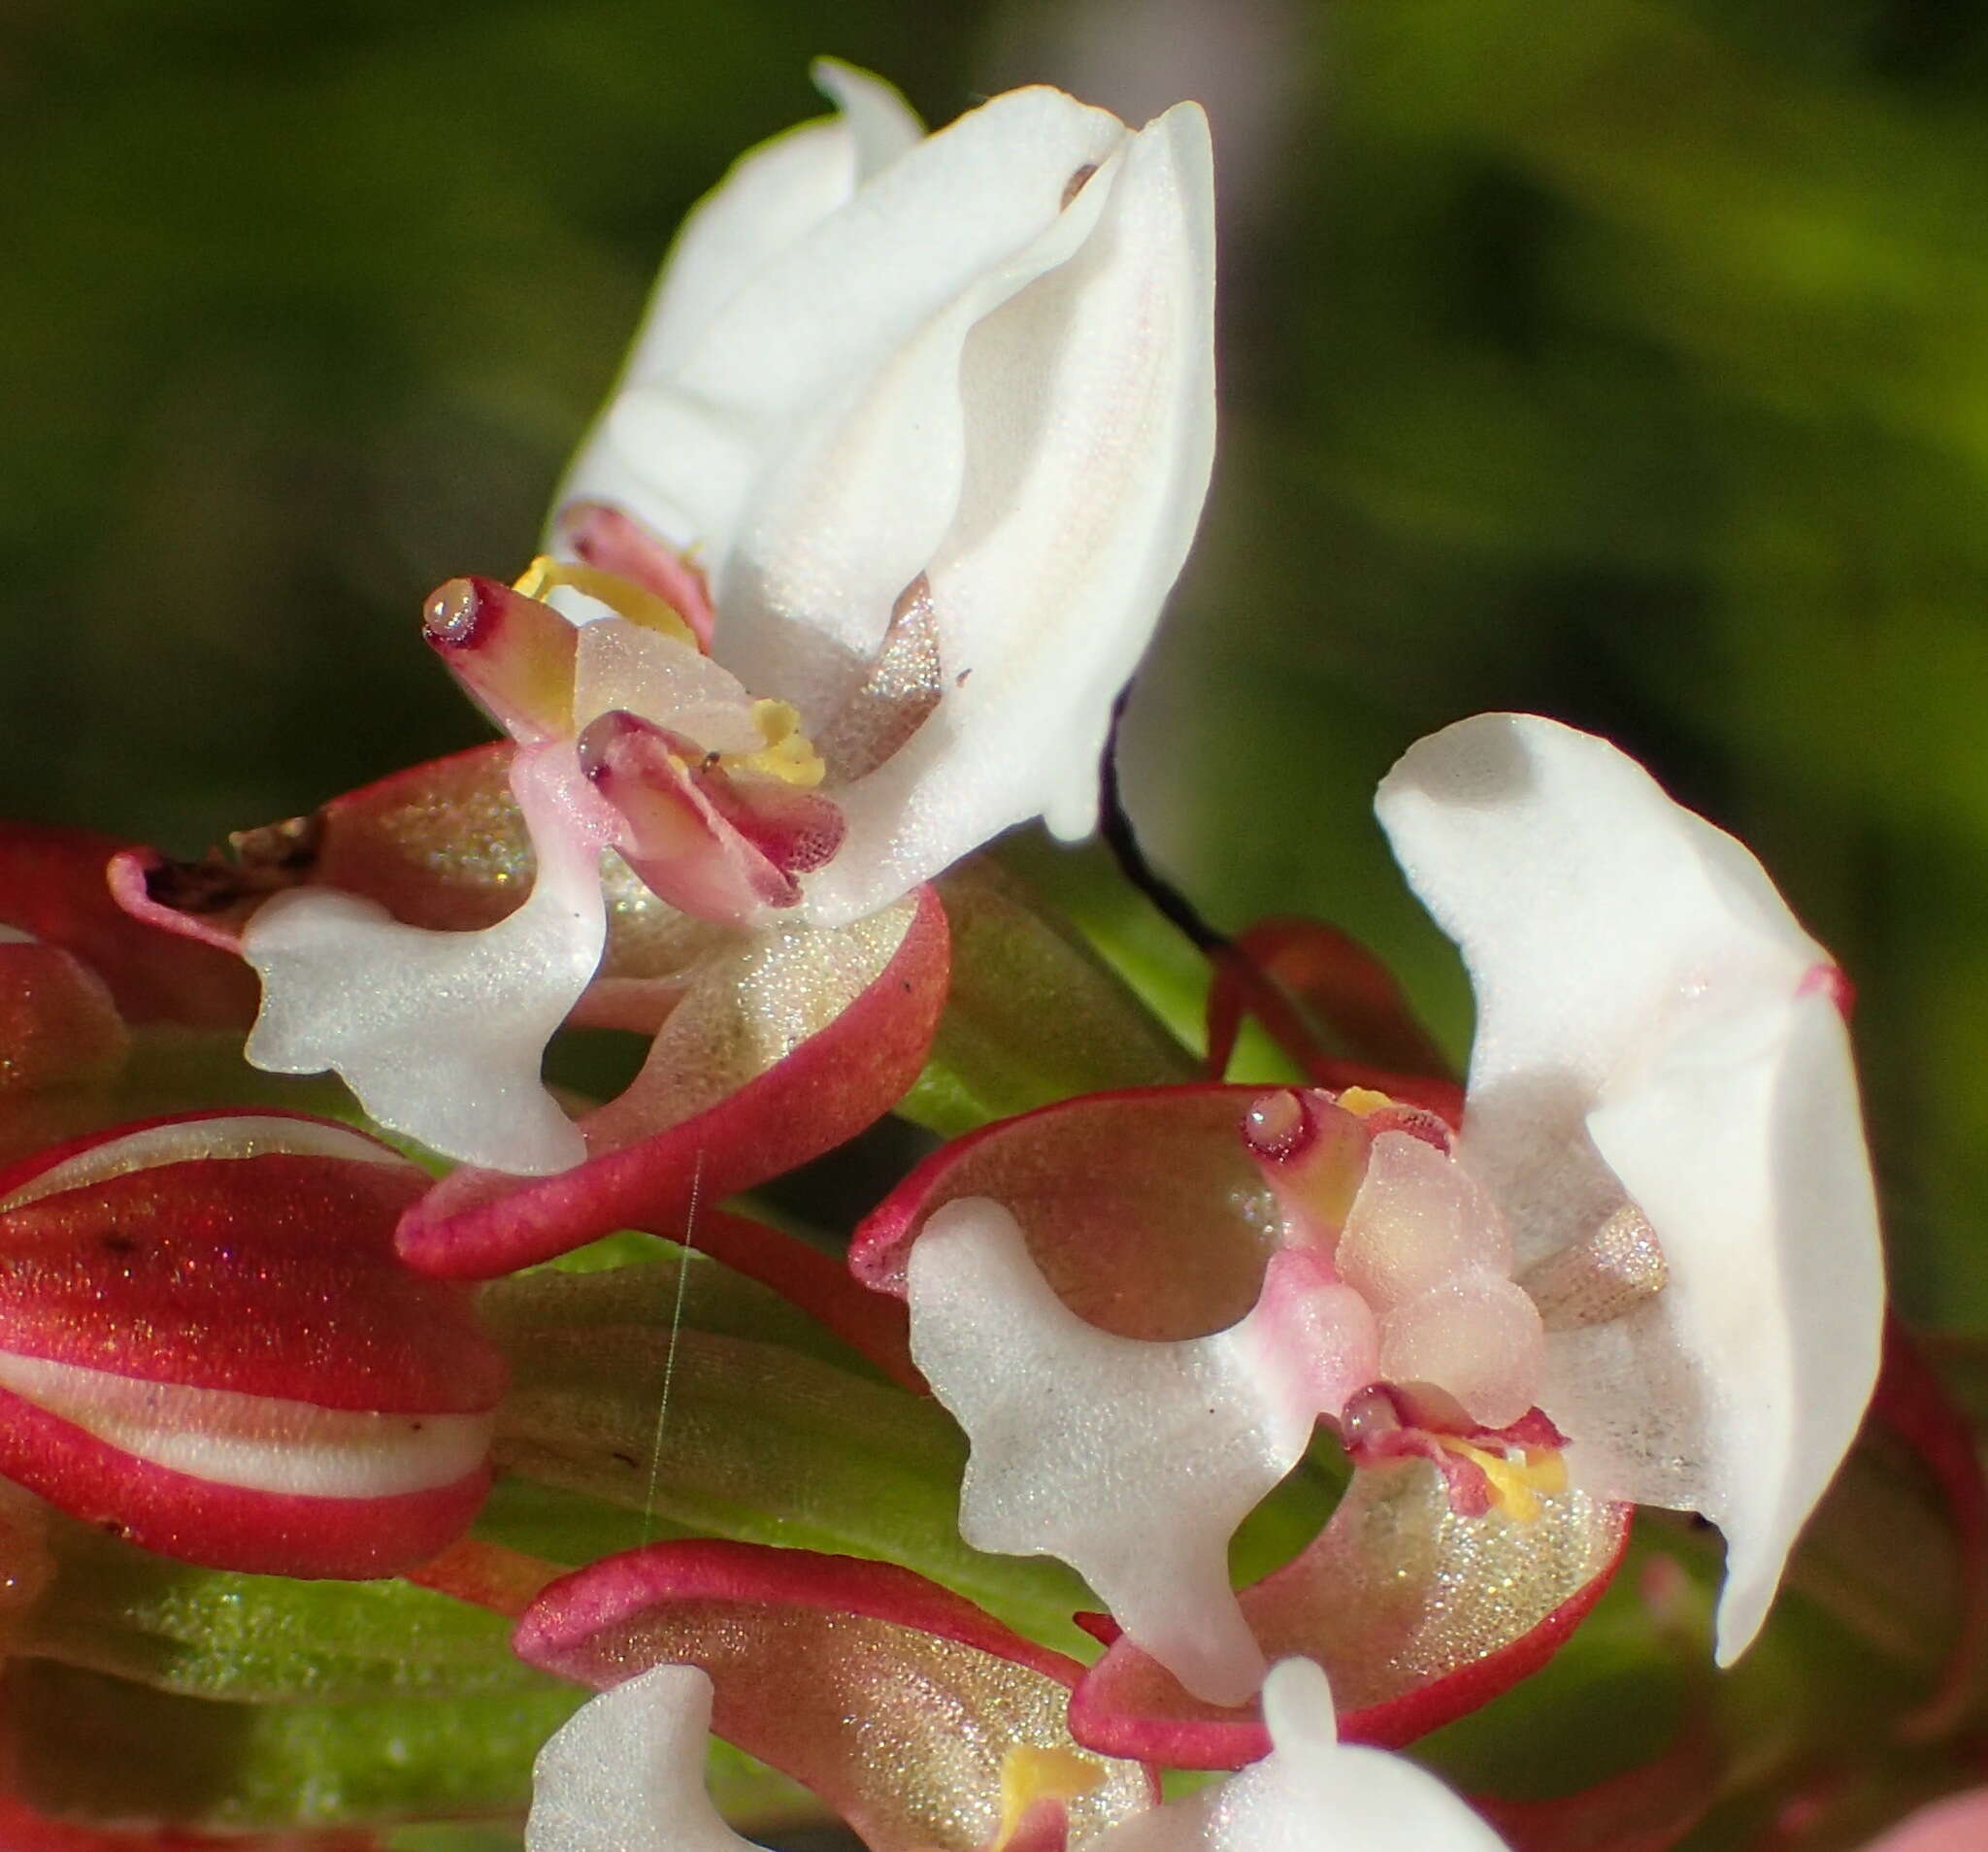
964	1538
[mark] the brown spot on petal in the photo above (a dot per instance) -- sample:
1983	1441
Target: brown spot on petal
1074	185
901	688
1604	1276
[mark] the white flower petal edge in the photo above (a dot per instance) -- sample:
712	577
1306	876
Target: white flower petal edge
993	364
1653	1023
441	1034
1311	1794
625	1773
1130	1460
774	195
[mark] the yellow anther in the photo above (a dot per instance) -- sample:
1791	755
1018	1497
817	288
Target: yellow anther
1360	1101
1030	1774
786	753
621	596
1516	1484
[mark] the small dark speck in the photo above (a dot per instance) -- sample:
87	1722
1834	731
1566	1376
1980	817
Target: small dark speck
627	1459
119	1245
1074	185
960	680
415	1426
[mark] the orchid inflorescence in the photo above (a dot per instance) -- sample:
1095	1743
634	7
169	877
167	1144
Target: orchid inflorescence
1156	1422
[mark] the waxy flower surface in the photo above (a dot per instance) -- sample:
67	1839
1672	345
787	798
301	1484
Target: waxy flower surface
1652	1242
932	419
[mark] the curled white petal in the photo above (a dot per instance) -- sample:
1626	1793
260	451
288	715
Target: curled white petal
774	195
1132	1461
1653	1024
1086	420
1311	1794
259	1443
441	1034
625	1773
987	358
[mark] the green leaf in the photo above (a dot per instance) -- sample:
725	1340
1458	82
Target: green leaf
261	1639
101	1749
722	1435
1033	1015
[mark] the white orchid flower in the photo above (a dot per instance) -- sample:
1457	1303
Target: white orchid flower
626	1774
931	419
1657	1228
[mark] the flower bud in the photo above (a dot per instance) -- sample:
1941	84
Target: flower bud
208	1346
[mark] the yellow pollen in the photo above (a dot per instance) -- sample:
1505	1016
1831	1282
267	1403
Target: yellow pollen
1360	1101
786	753
1029	1774
1516	1484
621	596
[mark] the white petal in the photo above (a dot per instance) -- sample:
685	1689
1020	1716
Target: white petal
1130	1461
882	125
772	197
1649	1022
810	438
625	1773
1086	408
1311	1794
641	671
441	1034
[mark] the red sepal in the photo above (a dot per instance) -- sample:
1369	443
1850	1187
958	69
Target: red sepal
224	1526
1343	1603
54	883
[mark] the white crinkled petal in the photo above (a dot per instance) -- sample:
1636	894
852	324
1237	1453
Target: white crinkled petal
1652	1022
1130	1461
441	1034
1086	406
1311	1794
625	1773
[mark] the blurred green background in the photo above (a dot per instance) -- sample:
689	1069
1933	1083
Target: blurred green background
1627	362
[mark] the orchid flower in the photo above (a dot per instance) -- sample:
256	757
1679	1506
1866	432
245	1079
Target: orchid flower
931	419
208	1346
918	1719
1645	1271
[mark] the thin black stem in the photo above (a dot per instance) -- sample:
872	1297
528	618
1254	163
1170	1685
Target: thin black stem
1115	826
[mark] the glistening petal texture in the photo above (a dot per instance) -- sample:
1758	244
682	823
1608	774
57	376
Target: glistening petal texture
1087	402
625	1773
1419	1613
441	1034
1133	1462
1312	1793
898	1704
1653	1023
215	1354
